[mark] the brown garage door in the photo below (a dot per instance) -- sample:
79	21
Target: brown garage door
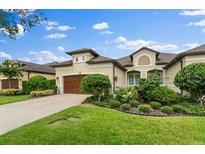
72	84
14	84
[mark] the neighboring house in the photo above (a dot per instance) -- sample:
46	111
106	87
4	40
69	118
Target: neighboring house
123	71
30	70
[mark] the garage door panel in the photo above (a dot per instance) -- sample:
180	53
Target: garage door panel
72	84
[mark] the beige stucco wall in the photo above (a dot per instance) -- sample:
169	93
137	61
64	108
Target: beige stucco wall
144	69
193	59
121	77
83	68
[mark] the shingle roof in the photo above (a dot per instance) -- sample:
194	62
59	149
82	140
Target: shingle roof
65	63
125	61
102	59
195	51
83	50
40	68
164	58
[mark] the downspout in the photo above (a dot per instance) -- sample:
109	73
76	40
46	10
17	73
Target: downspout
113	84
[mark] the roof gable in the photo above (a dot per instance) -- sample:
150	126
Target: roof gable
83	50
144	48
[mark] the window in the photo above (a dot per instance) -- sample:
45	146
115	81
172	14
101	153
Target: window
83	58
76	59
133	78
144	60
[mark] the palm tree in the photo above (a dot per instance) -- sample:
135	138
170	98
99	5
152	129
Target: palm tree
11	70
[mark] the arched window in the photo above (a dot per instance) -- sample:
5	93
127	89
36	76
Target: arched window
144	60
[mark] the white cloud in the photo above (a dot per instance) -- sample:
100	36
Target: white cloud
56	36
65	28
203	30
106	32
199	23
125	44
4	55
19	34
60	48
191	45
100	26
42	57
192	12
53	25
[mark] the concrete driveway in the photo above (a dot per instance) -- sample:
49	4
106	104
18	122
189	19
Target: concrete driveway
18	114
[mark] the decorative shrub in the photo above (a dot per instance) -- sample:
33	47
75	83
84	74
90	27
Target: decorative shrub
134	103
164	95
192	79
125	106
51	84
115	103
146	86
11	92
37	83
155	105
126	94
90	99
167	109
96	84
25	87
180	109
40	93
194	108
145	108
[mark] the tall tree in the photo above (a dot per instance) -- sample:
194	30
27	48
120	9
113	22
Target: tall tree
11	69
14	21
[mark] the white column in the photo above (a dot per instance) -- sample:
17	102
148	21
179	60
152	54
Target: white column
61	84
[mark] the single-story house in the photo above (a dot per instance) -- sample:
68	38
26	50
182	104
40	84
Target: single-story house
30	70
125	71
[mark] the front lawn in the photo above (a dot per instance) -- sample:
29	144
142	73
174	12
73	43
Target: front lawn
12	99
87	124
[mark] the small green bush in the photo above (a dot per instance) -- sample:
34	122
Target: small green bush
134	103
155	105
167	109
40	93
145	108
125	106
37	83
180	109
164	95
11	92
115	103
90	99
126	94
51	84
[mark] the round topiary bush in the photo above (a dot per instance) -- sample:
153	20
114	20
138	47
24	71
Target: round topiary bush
145	108
180	109
191	79
37	83
167	109
155	105
97	84
114	103
125	106
134	103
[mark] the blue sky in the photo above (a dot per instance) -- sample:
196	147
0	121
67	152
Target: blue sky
113	33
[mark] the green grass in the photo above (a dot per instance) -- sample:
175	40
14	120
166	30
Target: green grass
12	99
98	125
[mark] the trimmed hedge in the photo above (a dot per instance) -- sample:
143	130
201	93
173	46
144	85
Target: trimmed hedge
11	92
40	93
125	106
155	105
180	109
145	108
167	109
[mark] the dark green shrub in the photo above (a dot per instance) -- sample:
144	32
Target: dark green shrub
192	79
51	84
167	109
146	86
96	84
37	83
126	94
134	103
165	95
40	93
11	92
25	87
90	100
180	109
195	108
115	103
155	105
145	108
125	106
